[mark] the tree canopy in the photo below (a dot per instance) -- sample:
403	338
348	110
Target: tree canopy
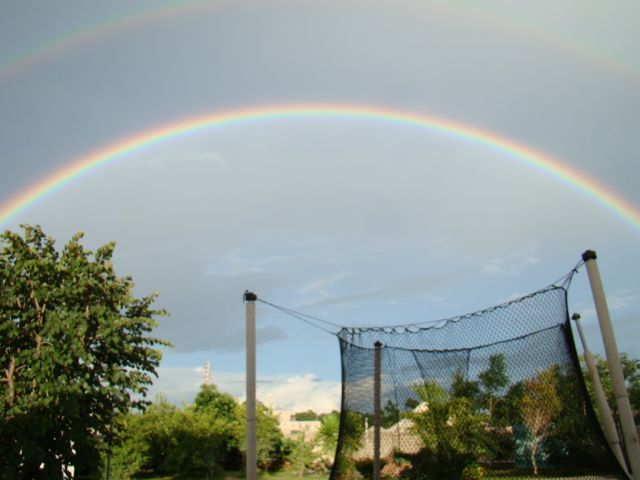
76	351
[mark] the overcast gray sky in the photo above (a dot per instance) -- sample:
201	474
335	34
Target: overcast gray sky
356	221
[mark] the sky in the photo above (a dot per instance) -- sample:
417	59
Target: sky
355	219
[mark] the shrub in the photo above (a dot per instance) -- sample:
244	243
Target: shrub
472	472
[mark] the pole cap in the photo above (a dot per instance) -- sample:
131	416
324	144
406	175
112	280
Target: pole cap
589	255
378	344
249	296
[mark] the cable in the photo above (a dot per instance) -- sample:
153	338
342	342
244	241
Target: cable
566	279
303	317
563	282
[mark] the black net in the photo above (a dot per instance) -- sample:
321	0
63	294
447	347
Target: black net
499	391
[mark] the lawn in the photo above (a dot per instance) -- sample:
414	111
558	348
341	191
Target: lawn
240	476
293	476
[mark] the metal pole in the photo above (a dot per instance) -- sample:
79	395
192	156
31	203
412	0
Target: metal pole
252	464
632	446
609	426
376	411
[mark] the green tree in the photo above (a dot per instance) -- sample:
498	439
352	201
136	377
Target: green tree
76	346
507	410
328	432
302	453
223	408
155	430
390	415
129	453
540	406
269	437
199	445
350	436
307	416
453	432
631	373
493	380
176	441
461	387
219	404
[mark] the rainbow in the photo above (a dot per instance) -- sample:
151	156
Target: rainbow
92	32
128	146
95	31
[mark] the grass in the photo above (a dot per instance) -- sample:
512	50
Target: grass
241	476
293	476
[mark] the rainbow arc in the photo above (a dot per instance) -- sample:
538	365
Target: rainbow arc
126	147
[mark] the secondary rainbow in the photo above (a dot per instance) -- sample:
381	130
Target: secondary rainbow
128	146
135	19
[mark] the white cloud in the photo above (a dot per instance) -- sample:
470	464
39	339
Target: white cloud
510	265
289	393
625	298
320	288
620	300
300	393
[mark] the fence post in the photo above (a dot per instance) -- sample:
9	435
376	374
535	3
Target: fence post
252	463
601	400
629	431
376	411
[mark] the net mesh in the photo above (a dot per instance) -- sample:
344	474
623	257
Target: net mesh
499	390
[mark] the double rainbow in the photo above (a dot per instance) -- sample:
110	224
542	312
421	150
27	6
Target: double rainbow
128	146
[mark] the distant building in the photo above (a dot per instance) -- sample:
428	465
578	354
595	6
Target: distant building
399	437
292	428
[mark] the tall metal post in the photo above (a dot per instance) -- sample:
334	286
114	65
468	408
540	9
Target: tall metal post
376	410
252	463
609	426
632	446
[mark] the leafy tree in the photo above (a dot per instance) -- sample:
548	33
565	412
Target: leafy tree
494	380
507	410
390	415
75	348
155	432
307	416
461	387
303	453
219	404
328	432
269	437
453	432
350	436
173	440
198	442
411	403
540	406
631	373
223	408
129	453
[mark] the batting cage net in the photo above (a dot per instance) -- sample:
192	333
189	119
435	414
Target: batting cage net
499	392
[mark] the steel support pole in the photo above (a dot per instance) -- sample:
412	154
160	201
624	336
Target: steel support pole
376	410
252	463
630	434
608	424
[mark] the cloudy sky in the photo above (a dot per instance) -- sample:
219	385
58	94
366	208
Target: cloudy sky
358	221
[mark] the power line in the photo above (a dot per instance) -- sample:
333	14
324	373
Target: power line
303	317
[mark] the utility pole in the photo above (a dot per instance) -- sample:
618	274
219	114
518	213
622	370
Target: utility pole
629	431
252	463
376	409
608	424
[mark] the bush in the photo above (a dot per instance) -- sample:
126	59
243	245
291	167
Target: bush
472	472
